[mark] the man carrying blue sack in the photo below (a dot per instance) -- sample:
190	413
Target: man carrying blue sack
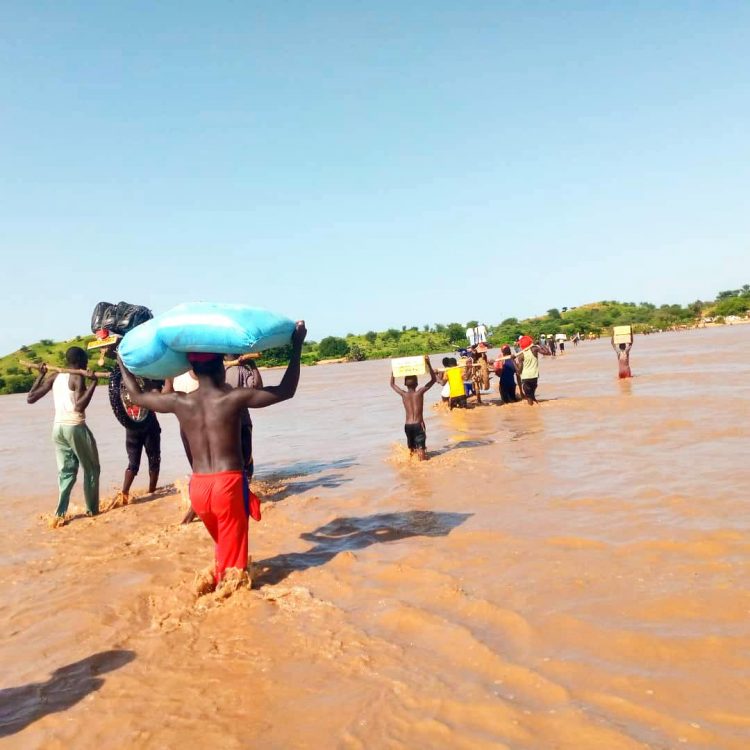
210	418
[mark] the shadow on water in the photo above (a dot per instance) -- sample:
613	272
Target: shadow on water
305	468
460	445
21	706
519	434
353	533
157	494
330	481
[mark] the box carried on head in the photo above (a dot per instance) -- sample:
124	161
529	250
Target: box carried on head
405	366
622	334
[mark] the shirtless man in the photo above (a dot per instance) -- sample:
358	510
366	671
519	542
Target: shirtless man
74	443
242	375
413	398
210	417
623	358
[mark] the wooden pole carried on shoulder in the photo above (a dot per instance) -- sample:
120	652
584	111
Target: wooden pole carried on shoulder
69	370
241	359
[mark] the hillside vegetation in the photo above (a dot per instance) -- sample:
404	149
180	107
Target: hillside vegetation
597	318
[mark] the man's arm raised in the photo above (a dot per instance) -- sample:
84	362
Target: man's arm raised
398	390
257	398
164	403
82	397
42	385
433	377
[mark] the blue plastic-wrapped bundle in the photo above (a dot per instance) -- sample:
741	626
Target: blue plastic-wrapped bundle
158	348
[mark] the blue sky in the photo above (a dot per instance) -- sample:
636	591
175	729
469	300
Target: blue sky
366	165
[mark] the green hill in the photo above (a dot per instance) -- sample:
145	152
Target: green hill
14	378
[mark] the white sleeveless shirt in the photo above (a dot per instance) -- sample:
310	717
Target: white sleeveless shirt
65	411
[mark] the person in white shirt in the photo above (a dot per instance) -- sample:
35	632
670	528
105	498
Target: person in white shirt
74	443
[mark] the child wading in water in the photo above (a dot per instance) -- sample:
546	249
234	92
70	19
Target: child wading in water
413	398
623	358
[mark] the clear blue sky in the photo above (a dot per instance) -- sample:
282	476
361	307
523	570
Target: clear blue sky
366	165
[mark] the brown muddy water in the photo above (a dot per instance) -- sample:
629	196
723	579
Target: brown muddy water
573	575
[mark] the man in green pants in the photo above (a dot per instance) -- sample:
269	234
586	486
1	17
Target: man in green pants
74	443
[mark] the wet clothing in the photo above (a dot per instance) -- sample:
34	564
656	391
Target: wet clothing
508	393
75	446
508	377
624	369
529	387
416	437
506	370
146	436
223	502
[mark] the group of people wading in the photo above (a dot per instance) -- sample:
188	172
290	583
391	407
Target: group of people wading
519	369
216	430
212	407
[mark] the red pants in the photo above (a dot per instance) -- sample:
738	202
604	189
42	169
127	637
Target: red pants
219	501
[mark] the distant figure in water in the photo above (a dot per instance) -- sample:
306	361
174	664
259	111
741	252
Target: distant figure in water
527	363
443	378
623	358
413	398
211	417
506	369
74	443
484	365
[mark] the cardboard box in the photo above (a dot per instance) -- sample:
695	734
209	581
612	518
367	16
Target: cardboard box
403	366
623	334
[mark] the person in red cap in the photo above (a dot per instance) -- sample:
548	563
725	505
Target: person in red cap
210	418
527	363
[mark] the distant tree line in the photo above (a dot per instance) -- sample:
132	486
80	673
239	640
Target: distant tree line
432	338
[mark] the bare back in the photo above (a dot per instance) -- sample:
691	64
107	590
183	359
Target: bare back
413	405
210	416
210	419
